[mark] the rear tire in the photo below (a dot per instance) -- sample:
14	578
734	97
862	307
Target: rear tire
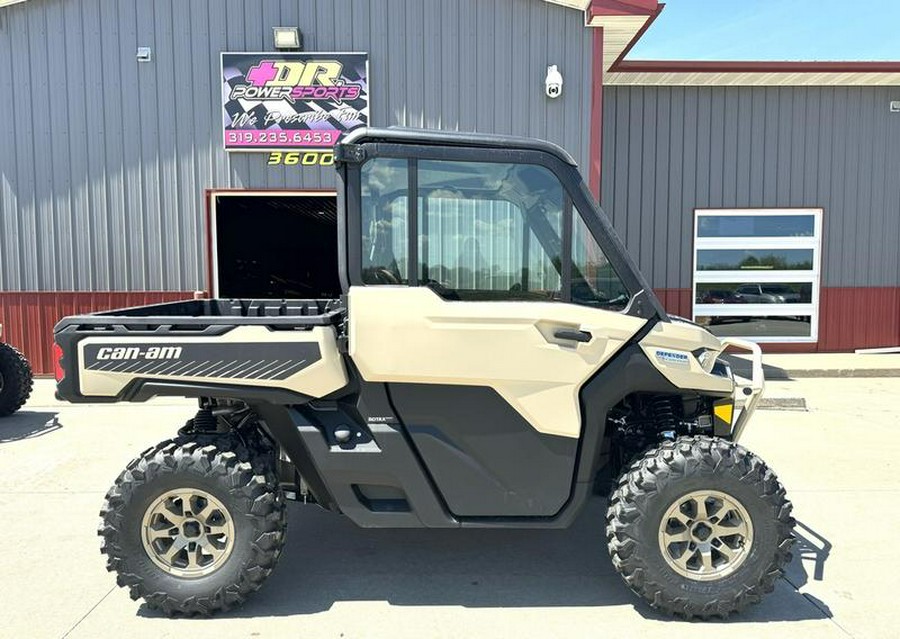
699	527
15	380
225	535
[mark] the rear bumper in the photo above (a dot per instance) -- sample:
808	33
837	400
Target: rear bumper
747	392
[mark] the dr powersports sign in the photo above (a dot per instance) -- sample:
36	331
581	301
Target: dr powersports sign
299	102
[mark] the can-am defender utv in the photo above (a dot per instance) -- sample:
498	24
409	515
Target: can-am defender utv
15	379
494	353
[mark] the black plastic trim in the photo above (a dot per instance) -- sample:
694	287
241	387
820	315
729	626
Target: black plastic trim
430	137
479	475
384	458
343	195
566	271
140	390
628	372
282	428
412	222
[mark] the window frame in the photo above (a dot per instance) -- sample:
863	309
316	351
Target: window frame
643	304
812	276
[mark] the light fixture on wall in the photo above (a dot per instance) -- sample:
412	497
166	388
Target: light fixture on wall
144	54
287	38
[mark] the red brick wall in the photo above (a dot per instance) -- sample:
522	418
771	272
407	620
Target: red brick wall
28	318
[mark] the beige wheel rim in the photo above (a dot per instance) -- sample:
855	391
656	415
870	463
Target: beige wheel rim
188	533
705	535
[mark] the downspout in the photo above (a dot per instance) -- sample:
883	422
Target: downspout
596	126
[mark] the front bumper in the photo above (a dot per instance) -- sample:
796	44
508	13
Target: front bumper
747	392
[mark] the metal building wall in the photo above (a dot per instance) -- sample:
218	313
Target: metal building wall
668	150
104	160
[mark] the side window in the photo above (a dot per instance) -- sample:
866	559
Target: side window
384	221
485	231
489	231
594	282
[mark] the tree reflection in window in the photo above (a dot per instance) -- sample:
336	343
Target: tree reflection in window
754	259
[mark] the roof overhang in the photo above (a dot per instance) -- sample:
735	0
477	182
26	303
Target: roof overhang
581	5
623	23
708	73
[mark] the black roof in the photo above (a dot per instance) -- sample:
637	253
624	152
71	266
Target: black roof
400	135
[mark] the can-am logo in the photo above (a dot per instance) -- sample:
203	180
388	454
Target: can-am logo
293	80
133	352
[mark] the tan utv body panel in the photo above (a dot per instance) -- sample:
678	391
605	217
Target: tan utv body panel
410	334
670	347
317	379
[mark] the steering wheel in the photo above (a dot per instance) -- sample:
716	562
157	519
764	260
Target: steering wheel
380	275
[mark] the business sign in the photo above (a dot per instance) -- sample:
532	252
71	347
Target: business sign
283	101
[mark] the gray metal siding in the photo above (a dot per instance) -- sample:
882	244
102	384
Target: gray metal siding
668	150
104	160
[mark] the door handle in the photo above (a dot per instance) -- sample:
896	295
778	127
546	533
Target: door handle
572	334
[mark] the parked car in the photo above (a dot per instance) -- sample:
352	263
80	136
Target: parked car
719	296
767	294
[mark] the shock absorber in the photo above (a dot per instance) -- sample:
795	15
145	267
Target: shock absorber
663	410
203	422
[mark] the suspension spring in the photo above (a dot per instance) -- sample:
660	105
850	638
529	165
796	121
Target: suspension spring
205	421
663	410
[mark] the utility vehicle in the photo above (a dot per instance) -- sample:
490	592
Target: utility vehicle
495	355
15	379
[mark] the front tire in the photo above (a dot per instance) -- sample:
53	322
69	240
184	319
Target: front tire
195	524
15	380
699	527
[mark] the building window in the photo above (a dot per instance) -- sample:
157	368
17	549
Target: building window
756	273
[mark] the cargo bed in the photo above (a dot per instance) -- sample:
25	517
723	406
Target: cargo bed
197	348
194	313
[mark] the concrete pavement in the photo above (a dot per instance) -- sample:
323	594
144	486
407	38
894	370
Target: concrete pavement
837	460
798	365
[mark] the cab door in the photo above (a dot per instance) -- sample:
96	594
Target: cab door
484	303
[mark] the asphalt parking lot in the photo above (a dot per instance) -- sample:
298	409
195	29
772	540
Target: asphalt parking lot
837	458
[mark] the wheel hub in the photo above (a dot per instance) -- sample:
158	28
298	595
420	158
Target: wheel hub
705	535
187	532
701	532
